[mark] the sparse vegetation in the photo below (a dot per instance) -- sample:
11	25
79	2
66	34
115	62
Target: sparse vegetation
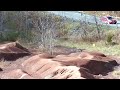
43	30
34	35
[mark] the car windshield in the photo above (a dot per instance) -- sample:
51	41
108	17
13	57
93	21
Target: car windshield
110	18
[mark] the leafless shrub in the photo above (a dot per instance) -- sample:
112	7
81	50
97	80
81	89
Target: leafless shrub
87	32
30	27
42	30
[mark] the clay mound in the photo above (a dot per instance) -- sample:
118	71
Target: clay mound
15	74
65	72
86	73
96	63
80	55
75	65
12	51
43	68
11	74
89	63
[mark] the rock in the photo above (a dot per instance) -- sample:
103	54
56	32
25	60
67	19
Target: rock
76	65
74	54
12	51
1	69
31	59
86	73
34	63
26	76
46	70
95	67
42	68
60	72
80	55
90	55
65	58
96	63
67	72
13	74
37	57
46	55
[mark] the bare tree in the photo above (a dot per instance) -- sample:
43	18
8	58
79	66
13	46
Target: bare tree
1	23
98	30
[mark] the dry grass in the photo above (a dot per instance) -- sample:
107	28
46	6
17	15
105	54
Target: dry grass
101	46
97	46
116	73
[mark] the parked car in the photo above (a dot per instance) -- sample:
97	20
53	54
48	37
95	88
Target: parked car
108	20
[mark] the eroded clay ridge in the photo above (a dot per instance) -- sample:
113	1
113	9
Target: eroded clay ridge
79	65
12	51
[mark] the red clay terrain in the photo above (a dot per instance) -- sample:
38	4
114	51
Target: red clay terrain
17	62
